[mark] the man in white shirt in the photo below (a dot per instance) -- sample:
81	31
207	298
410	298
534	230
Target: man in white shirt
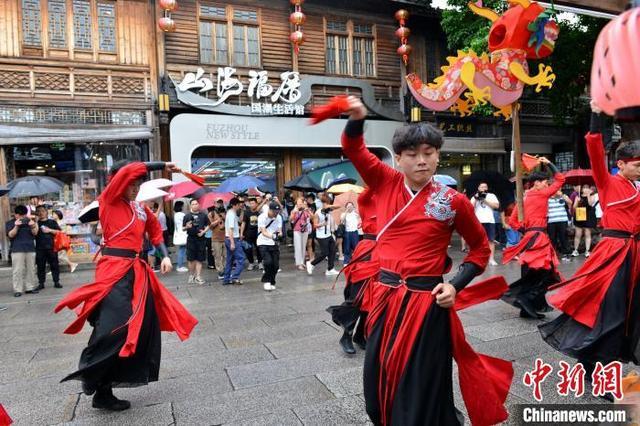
233	244
269	231
484	203
352	222
324	225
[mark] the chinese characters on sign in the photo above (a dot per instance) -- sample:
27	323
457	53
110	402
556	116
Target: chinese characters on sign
606	379
282	98
457	128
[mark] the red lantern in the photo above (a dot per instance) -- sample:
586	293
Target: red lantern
402	15
297	2
297	37
403	32
167	24
297	18
404	50
168	5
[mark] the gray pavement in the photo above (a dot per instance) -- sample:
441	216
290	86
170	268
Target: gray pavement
256	358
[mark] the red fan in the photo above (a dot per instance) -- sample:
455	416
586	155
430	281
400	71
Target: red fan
194	178
529	162
336	106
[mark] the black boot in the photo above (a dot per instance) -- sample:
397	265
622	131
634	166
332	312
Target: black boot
358	336
528	311
347	344
105	400
88	388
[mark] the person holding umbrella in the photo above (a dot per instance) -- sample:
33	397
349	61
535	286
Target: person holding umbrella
21	232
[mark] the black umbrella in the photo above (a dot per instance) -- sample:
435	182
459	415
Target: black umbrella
340	181
30	186
498	185
303	183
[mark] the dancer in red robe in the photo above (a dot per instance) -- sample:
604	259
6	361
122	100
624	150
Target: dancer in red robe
126	305
413	329
535	251
362	269
601	302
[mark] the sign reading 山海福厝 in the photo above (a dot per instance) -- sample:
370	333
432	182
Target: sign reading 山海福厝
282	98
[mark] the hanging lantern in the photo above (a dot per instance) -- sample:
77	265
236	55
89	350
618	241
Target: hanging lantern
297	38
167	24
297	18
403	34
404	50
402	16
168	5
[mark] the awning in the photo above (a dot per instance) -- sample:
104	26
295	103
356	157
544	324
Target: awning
16	135
474	145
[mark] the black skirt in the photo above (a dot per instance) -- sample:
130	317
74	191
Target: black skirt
424	395
347	313
531	288
613	337
99	363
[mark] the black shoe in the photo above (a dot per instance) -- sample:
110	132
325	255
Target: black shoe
88	389
526	314
40	287
360	341
105	400
347	344
229	283
17	294
34	291
57	285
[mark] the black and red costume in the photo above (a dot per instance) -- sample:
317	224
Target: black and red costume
535	251
412	340
601	302
126	305
362	269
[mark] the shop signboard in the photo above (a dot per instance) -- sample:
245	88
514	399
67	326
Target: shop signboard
267	99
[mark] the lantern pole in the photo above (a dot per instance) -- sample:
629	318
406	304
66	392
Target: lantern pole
517	153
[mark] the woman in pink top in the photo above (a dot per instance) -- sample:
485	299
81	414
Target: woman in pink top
300	223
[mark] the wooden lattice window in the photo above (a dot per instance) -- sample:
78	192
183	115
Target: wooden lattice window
229	36
82	27
31	23
107	26
350	48
57	24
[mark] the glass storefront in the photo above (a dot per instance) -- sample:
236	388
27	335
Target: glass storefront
83	168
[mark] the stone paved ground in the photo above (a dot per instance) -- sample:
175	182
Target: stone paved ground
256	358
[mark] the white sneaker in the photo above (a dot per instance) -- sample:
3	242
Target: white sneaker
309	268
575	253
267	287
493	262
280	270
250	267
587	254
190	280
331	272
260	266
182	269
341	258
198	280
273	287
73	267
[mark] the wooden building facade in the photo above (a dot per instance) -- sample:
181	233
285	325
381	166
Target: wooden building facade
77	93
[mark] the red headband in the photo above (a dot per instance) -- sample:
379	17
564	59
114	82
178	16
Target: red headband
626	160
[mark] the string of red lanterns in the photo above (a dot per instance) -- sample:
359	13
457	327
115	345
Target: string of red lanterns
165	23
297	19
403	34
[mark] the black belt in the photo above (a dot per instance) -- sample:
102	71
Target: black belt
536	229
369	237
120	252
618	233
424	282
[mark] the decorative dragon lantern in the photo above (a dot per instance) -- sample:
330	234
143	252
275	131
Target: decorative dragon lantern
524	31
